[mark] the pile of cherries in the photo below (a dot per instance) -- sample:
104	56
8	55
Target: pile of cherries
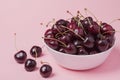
80	36
30	64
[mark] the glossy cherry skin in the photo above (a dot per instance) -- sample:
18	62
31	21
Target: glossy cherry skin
58	28
110	39
78	43
93	52
36	51
52	43
45	70
107	29
61	50
55	30
94	28
30	65
20	56
65	38
62	22
70	49
48	32
102	45
79	31
89	41
82	51
86	22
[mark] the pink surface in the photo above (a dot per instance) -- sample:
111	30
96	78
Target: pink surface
24	17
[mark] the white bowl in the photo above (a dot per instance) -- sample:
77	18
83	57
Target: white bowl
79	62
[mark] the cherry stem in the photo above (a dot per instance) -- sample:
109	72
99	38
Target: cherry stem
56	40
53	21
41	23
87	17
59	31
65	32
56	35
15	42
79	23
70	13
91	14
43	62
114	21
73	32
79	46
79	14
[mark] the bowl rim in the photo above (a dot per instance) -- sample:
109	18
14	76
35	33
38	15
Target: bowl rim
61	53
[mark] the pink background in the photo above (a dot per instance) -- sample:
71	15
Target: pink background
24	16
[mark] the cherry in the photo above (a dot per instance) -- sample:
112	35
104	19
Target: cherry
36	51
48	32
20	56
86	22
110	39
62	22
45	70
94	28
93	52
55	30
107	29
81	51
77	42
61	50
79	31
30	65
89	41
52	43
65	38
72	26
74	20
49	35
102	44
70	49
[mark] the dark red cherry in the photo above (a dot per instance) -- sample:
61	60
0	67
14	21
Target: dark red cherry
48	32
58	28
52	43
110	39
45	70
82	51
65	38
86	22
102	45
89	41
78	43
49	36
94	28
70	49
107	29
75	20
36	51
61	50
20	56
72	26
79	31
93	52
30	65
62	22
89	19
55	29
